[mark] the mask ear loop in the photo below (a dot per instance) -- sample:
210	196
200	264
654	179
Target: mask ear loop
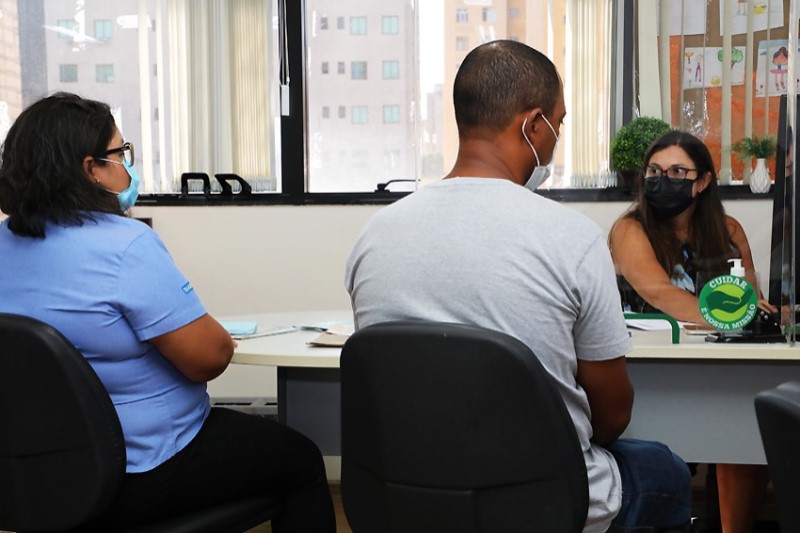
527	140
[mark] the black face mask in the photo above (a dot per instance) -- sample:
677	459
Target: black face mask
668	197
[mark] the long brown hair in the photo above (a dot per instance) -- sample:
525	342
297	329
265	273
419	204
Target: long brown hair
707	229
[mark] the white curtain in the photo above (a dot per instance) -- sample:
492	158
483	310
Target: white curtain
587	86
216	77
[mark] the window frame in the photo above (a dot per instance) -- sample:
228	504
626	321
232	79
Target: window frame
293	174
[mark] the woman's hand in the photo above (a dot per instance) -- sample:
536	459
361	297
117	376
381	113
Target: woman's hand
766	306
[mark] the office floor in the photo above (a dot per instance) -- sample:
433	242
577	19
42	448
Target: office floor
766	519
341	522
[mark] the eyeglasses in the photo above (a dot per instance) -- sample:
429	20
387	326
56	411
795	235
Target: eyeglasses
126	150
675	172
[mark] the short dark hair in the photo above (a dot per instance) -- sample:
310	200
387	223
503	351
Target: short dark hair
41	167
500	79
708	225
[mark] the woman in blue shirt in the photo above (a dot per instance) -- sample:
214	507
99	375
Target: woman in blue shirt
71	258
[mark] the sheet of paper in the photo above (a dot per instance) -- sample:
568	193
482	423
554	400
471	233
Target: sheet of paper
329	339
266	331
647	325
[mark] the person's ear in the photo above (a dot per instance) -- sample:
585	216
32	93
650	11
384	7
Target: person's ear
531	115
90	168
703	182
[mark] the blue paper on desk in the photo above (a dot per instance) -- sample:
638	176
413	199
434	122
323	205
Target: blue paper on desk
240	328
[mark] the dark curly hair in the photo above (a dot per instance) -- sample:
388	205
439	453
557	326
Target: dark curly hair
41	167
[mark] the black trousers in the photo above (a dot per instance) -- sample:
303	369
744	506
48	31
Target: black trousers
233	456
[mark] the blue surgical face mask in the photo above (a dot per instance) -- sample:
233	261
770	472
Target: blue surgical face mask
541	172
127	198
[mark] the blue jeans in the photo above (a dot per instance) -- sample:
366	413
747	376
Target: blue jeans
656	488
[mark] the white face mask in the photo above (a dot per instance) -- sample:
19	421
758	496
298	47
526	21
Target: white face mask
540	173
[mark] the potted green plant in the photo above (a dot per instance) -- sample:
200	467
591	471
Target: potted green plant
759	148
629	146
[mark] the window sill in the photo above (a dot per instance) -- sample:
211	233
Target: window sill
727	192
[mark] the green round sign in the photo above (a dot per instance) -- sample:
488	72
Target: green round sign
728	303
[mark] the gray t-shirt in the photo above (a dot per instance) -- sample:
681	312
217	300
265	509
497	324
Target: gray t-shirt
491	253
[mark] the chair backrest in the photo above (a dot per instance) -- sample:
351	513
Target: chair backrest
778	414
62	452
448	427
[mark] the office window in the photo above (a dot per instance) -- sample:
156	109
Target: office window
391	70
324	67
339	23
105	73
390	25
462	16
358	70
359	114
182	50
323	23
340	68
68	73
462	42
67	28
103	29
358	25
326	112
360	159
488	14
391	114
342	111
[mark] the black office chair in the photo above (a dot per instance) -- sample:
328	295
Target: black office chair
778	414
62	453
447	427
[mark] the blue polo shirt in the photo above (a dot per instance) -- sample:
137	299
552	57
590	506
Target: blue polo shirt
109	286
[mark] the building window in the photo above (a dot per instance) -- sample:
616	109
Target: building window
67	28
359	114
358	70
339	23
342	111
488	14
105	73
360	159
391	114
68	73
326	112
358	25
390	25
340	67
324	67
391	70
462	16
513	13
462	42
103	29
323	23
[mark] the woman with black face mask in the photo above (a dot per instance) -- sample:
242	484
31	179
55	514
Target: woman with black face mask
674	238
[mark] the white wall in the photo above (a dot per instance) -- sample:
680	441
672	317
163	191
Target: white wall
287	258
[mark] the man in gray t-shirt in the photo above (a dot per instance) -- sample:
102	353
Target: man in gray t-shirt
479	248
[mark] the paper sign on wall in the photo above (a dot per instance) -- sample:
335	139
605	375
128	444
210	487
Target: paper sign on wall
772	67
702	66
764	13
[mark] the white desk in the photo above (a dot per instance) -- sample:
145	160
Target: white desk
696	397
